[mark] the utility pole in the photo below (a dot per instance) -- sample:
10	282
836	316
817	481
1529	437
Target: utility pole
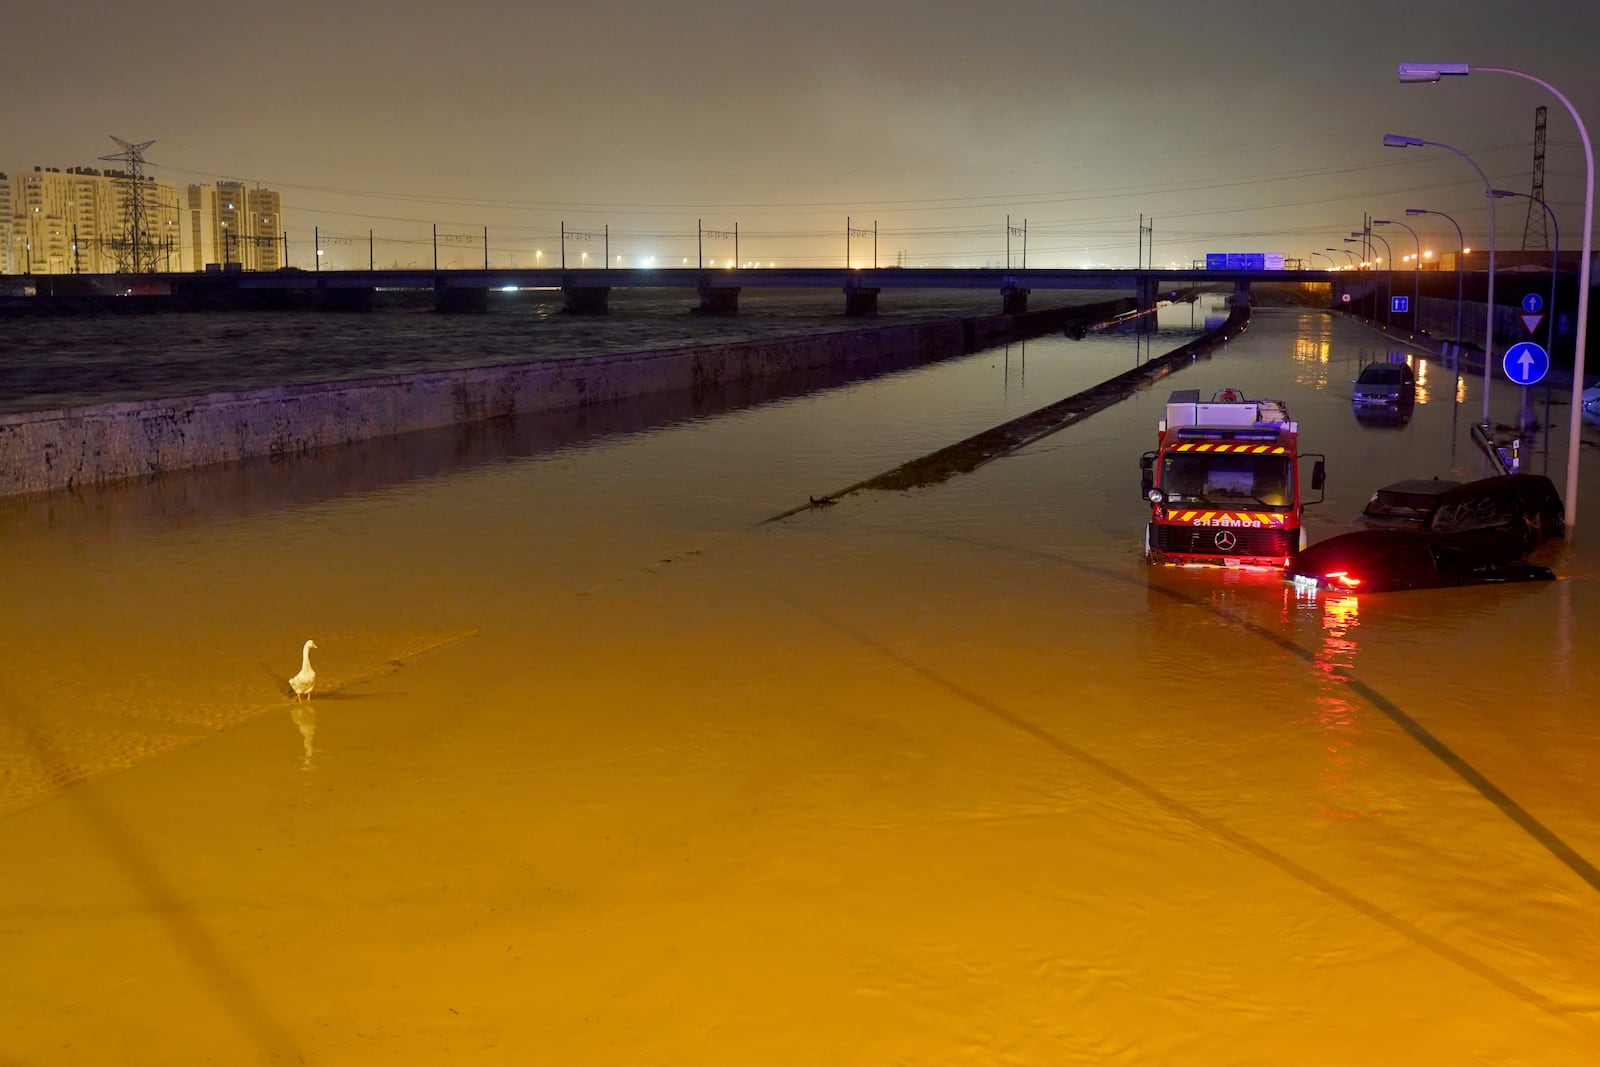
1019	231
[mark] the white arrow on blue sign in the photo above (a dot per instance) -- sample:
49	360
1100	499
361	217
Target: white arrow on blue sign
1533	303
1399	303
1526	363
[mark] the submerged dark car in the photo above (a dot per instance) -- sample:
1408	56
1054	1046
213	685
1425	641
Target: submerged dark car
1385	383
1387	561
1387	416
1524	510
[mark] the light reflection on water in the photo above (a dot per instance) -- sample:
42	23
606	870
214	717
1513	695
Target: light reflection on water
950	768
1335	712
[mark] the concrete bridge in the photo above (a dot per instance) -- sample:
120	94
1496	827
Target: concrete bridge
588	291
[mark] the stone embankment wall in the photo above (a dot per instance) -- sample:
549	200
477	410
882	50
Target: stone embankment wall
42	451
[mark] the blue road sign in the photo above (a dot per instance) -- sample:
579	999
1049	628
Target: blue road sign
1533	303
1526	363
1399	303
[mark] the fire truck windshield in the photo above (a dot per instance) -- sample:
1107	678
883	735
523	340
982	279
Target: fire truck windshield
1222	479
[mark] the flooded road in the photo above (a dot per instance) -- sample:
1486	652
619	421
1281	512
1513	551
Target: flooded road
601	770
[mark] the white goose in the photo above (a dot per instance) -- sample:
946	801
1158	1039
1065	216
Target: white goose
302	682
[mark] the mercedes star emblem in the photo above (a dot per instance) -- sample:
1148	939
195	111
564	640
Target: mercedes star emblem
1226	540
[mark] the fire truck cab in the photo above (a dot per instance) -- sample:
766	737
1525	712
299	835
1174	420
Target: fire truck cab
1224	483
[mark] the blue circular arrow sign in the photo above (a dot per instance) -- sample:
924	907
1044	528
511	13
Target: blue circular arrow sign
1526	363
1533	303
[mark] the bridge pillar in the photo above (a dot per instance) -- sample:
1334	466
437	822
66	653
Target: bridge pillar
271	300
452	301
199	292
586	299
1147	295
717	301
344	299
861	301
1241	294
1013	301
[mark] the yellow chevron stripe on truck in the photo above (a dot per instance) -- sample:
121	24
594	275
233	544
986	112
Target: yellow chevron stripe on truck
1226	518
1275	450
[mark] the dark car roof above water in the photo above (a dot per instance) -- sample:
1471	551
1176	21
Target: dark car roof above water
1429	494
1420	486
1384	372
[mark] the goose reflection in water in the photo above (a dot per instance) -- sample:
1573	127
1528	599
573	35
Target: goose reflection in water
305	717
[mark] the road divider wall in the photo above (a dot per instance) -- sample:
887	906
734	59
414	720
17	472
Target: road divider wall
966	456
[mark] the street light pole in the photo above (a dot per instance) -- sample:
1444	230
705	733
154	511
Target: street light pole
1394	140
1388	277
1432	72
1325	256
1461	255
1416	273
1555	254
1555	266
1346	251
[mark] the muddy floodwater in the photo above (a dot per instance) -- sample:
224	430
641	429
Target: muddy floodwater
600	768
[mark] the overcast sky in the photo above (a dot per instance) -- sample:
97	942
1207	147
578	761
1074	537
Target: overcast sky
1238	125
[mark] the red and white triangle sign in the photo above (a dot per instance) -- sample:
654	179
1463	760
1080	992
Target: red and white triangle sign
1531	322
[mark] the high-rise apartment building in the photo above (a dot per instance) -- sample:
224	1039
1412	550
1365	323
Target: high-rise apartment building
5	224
85	221
235	226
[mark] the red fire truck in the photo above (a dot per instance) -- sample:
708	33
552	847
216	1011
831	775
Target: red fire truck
1224	483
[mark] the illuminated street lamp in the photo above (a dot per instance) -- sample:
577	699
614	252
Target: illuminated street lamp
1432	72
1394	140
1346	251
1324	255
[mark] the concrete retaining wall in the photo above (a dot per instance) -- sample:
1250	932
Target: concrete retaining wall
70	447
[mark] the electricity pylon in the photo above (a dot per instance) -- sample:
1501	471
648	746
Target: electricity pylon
135	248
